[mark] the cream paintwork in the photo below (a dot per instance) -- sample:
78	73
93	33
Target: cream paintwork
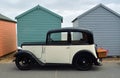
58	53
76	48
36	50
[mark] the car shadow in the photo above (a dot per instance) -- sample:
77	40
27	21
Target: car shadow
56	67
61	68
118	63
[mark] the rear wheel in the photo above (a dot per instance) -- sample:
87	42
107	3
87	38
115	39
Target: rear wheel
23	62
83	62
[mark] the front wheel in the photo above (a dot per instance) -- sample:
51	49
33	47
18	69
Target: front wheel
23	62
83	63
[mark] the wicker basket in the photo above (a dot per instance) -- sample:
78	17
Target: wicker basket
102	53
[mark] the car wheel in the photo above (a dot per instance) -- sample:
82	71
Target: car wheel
83	63
23	62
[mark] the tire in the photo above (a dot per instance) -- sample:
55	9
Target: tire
23	62
83	62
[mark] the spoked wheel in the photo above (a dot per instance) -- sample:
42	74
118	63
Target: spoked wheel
84	63
23	62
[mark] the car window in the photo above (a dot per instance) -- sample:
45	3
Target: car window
63	38
76	36
55	36
58	38
79	38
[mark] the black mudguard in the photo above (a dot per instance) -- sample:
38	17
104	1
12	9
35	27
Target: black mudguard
28	53
94	59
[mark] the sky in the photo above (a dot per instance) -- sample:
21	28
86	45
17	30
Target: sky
68	9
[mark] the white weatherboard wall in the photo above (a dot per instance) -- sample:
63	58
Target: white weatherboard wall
105	25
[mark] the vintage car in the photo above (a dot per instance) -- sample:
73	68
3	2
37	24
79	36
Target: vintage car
62	46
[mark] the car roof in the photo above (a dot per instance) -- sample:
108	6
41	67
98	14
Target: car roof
70	29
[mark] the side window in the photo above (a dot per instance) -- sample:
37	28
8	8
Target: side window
64	36
79	38
76	36
55	37
59	38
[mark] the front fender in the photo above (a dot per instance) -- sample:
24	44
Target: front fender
28	53
23	53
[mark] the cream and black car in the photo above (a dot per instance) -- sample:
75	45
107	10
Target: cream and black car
62	46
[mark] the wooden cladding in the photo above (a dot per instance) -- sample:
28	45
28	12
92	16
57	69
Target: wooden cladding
7	37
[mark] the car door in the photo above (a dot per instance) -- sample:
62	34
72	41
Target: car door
58	50
57	54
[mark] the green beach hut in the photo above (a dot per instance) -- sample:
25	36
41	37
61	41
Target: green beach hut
33	24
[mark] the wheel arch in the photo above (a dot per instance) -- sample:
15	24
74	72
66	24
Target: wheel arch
83	52
23	53
28	53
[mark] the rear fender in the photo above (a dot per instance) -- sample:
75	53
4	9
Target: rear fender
84	52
